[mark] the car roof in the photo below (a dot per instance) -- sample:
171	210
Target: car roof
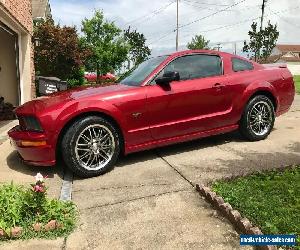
186	52
208	52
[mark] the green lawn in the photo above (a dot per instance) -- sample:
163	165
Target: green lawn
270	200
297	83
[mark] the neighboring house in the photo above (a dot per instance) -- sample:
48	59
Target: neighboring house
284	53
41	9
16	53
289	54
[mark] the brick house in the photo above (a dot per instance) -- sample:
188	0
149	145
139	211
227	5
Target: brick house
16	53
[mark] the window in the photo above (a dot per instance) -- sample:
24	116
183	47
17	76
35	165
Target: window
139	74
195	66
241	65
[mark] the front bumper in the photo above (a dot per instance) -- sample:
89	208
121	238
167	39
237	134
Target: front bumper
41	154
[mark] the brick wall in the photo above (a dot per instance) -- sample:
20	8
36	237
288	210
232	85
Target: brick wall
21	11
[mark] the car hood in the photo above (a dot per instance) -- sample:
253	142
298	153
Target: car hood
61	98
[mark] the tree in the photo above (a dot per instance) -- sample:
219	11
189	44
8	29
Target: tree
57	52
108	48
138	51
261	42
198	42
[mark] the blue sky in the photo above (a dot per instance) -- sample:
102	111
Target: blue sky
157	19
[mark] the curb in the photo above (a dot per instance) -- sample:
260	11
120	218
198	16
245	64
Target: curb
234	216
66	187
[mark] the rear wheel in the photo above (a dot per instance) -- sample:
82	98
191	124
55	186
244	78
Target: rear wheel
258	118
91	146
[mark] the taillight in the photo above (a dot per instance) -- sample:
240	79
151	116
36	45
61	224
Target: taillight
30	123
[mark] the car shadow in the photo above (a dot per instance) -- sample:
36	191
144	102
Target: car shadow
15	163
182	147
230	167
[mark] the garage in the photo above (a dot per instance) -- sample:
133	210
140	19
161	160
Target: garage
9	80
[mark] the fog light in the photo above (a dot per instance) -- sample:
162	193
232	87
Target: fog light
32	143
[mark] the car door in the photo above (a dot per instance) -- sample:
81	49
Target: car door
195	103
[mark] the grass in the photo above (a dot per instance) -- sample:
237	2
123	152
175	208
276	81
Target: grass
270	200
22	207
297	83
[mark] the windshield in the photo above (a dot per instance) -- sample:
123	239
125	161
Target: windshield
138	75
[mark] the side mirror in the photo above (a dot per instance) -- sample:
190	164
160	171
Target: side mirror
168	77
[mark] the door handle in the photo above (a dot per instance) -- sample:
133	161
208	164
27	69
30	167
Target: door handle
218	86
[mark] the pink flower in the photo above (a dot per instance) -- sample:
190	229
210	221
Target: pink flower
38	189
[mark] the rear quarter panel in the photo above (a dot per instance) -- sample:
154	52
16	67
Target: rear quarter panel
276	81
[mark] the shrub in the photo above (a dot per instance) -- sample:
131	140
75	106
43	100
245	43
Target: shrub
22	207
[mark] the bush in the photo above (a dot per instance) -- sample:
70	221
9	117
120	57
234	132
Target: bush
77	78
25	207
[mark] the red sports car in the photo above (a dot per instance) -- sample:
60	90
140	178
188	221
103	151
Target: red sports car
92	77
165	100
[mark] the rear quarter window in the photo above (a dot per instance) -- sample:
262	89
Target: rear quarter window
241	65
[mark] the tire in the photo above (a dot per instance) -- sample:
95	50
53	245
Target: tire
258	118
91	146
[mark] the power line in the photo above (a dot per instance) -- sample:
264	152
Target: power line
241	22
162	37
197	6
150	15
202	18
282	18
201	3
226	26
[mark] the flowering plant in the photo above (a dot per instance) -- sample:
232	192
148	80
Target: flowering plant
39	186
37	197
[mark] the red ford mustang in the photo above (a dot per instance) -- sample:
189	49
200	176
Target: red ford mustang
167	99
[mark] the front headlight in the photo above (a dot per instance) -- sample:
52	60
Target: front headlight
30	123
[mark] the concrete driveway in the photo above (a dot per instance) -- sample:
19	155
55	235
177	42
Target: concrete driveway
148	201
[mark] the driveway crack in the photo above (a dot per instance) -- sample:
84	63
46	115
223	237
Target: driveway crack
121	187
136	199
175	169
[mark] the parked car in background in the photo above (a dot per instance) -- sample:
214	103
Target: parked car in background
165	100
92	77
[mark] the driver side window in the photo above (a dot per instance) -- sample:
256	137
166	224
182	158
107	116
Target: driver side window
194	66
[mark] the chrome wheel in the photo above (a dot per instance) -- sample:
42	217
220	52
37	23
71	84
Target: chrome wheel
260	118
95	147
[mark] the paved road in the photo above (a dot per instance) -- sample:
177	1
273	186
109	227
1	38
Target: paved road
148	200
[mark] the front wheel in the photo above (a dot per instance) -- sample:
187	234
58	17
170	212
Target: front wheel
258	118
91	146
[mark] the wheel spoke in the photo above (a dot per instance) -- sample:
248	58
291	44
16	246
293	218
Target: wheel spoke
260	118
85	138
84	149
95	147
84	155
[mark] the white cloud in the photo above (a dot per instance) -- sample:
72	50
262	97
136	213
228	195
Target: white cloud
155	26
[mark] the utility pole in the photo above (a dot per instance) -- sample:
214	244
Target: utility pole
235	48
262	13
177	25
